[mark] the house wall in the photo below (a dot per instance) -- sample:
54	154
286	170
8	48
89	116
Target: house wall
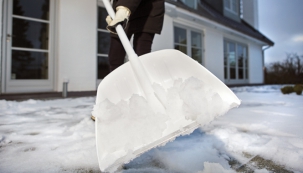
1	58
76	44
256	73
166	39
250	12
214	52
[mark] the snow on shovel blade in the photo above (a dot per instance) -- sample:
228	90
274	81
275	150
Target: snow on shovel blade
126	125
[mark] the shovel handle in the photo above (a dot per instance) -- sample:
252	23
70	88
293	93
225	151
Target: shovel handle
139	71
120	31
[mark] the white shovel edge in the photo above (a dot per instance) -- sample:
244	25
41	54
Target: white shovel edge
161	142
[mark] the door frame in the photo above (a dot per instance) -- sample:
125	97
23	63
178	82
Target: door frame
30	85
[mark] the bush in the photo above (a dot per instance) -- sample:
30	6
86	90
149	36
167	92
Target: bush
287	89
298	89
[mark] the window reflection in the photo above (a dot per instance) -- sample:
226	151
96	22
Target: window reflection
30	34
103	42
235	61
103	45
180	36
232	55
181	48
102	14
29	65
32	8
196	39
196	54
103	67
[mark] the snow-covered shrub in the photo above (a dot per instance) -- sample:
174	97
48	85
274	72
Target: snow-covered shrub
287	89
298	89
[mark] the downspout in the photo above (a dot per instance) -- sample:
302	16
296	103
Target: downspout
1	57
263	61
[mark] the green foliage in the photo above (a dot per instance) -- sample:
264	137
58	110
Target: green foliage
298	89
287	89
290	89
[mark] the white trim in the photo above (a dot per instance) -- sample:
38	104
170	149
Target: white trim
28	85
102	30
30	18
29	49
102	54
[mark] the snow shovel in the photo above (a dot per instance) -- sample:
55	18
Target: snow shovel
117	140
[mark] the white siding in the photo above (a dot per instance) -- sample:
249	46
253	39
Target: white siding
166	39
250	12
1	57
214	52
76	44
255	64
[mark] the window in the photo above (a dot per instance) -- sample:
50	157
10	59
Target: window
190	3
30	40
188	42
235	61
103	44
231	5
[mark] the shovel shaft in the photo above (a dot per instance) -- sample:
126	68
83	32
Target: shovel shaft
140	72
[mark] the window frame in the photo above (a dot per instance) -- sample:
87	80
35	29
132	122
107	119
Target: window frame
195	3
189	45
11	85
229	8
245	65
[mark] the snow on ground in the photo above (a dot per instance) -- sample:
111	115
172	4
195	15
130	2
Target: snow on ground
58	136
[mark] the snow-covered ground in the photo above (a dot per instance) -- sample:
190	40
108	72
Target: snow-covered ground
265	134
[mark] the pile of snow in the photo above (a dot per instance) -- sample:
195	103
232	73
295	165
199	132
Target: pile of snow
58	136
131	125
47	136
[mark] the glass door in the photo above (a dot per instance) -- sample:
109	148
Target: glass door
29	54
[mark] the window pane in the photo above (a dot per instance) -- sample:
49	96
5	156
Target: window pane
190	3
180	35
246	73
232	54
240	55
225	59
103	67
29	34
234	6
197	54
181	48
232	59
32	8
196	39
227	4
29	65
225	72
246	63
240	73
102	14
103	42
232	73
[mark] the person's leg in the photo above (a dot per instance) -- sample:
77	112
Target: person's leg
116	53
143	42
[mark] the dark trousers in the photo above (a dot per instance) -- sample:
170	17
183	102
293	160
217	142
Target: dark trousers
142	44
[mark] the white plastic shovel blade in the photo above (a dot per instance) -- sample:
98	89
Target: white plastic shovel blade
163	68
